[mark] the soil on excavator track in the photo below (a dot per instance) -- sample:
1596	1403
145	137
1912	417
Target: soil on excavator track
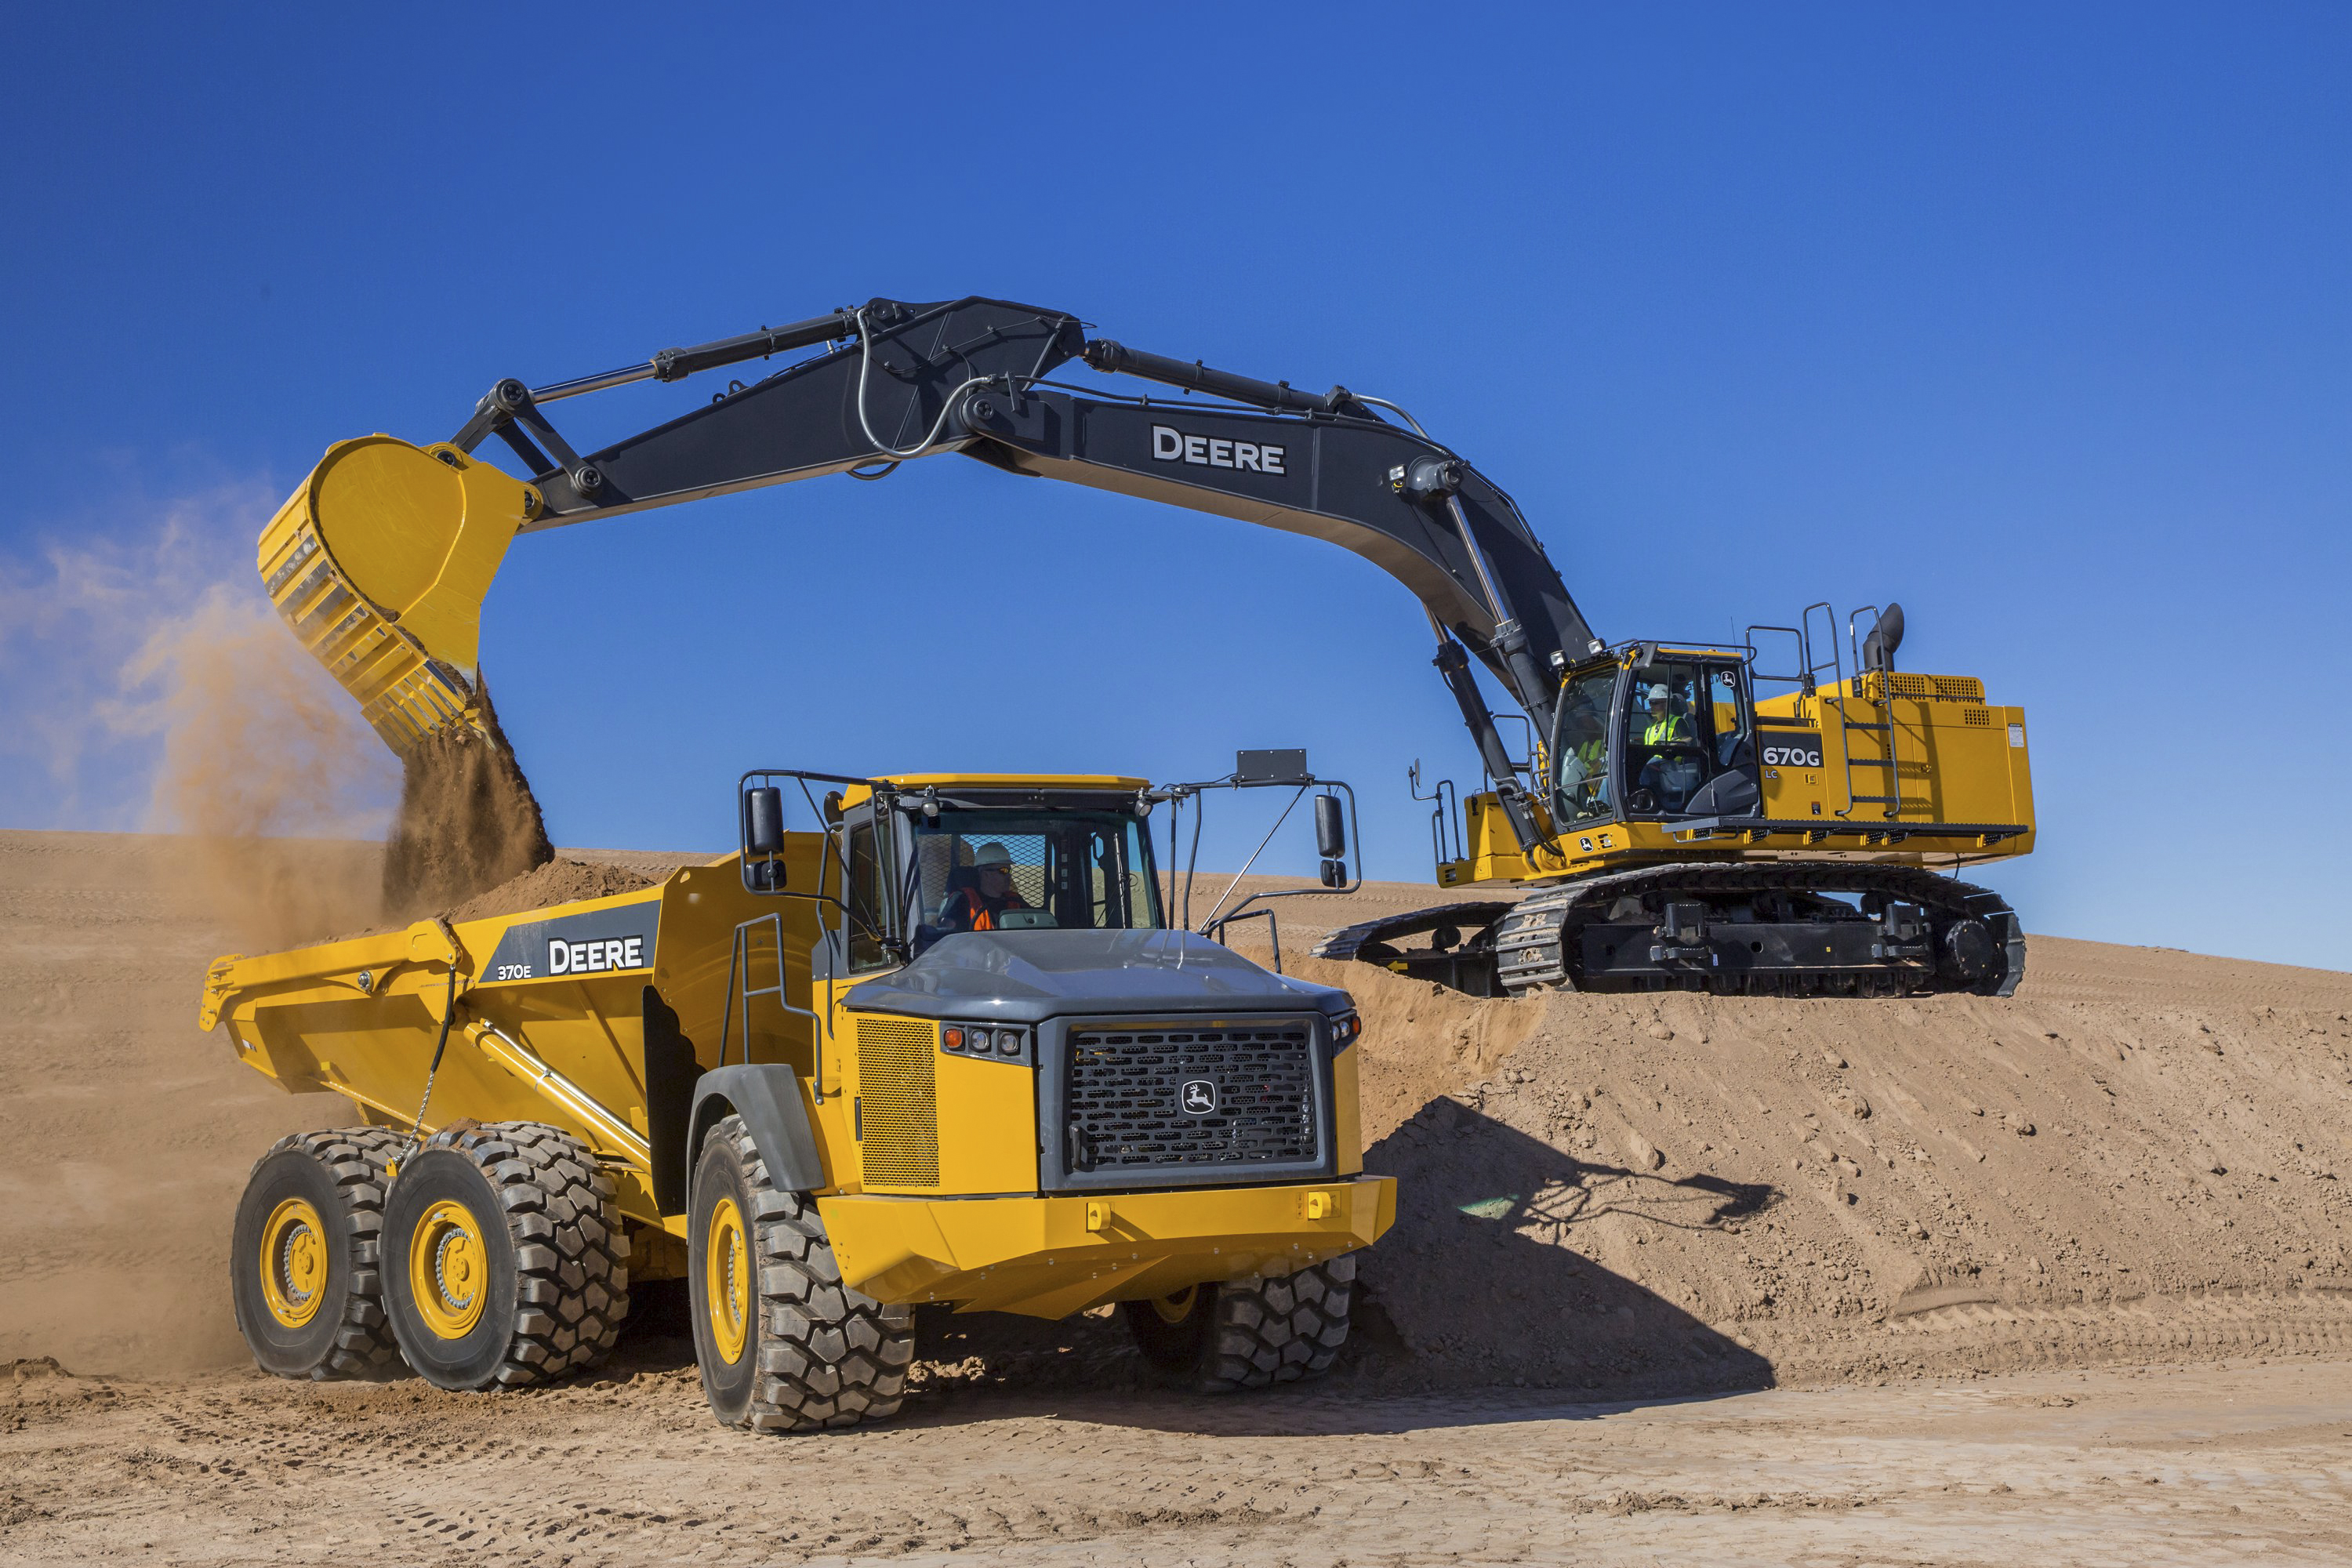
469	821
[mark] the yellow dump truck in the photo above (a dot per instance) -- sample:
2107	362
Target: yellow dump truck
942	1047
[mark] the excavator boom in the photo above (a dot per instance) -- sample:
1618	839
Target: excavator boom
413	536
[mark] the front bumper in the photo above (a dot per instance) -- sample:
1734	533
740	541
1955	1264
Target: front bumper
1050	1256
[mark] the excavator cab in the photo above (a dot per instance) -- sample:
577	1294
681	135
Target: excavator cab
1655	736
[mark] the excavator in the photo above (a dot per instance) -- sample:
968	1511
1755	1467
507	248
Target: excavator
1679	815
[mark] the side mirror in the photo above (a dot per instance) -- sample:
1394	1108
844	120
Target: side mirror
1331	828
763	832
1335	872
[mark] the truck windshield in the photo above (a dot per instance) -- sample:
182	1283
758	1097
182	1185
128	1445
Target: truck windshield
1006	870
1580	749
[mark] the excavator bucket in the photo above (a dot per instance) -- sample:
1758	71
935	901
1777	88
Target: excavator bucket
380	561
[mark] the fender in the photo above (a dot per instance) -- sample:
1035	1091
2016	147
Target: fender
767	1096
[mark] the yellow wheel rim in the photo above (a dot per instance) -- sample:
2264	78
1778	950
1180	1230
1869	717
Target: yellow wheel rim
727	1280
1177	1308
448	1269
293	1262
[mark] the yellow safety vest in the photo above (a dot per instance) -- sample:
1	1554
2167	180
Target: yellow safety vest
1666	731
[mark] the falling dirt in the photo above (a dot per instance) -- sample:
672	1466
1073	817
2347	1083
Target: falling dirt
467	819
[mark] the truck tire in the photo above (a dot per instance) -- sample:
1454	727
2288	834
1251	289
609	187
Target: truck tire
1249	1333
303	1275
504	1260
783	1344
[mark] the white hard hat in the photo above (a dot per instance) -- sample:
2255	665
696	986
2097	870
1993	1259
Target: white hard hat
989	855
1658	692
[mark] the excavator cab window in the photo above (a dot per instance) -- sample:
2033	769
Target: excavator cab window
1686	724
1580	750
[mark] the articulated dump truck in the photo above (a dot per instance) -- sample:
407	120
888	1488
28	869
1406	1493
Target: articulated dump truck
942	1050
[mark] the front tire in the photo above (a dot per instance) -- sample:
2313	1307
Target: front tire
304	1257
1249	1333
784	1346
504	1260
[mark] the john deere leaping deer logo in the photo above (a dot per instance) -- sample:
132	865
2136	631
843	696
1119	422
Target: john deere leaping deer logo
1199	1097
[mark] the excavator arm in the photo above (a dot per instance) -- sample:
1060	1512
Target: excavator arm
415	535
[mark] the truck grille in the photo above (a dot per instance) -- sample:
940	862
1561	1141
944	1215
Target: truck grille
1130	1087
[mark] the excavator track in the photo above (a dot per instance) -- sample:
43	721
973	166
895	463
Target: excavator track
1466	962
1745	929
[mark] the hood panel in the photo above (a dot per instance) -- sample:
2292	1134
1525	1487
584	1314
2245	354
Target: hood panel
1031	975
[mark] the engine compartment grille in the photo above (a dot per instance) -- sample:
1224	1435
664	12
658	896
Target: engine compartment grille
1168	1094
899	1102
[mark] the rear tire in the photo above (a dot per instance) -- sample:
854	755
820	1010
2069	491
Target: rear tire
303	1275
1250	1334
784	1346
504	1259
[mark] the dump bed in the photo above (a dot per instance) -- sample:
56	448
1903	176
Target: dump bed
551	1012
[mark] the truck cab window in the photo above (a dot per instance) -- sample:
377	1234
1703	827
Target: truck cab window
1012	871
869	899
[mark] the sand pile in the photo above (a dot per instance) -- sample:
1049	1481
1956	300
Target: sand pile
2142	1153
560	881
467	820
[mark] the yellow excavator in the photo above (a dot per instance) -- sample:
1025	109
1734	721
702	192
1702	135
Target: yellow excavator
1781	814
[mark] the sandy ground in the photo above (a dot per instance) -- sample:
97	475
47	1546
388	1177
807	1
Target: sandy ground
2162	1465
2065	1274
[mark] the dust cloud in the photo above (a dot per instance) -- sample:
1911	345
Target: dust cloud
159	690
156	689
262	758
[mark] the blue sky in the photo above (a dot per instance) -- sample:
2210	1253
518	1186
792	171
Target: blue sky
2035	318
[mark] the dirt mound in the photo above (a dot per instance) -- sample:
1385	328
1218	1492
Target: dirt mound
467	820
560	881
2139	1152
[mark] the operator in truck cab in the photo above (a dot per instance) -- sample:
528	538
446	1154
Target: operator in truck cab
987	893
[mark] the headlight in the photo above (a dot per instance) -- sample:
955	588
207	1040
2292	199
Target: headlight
982	1040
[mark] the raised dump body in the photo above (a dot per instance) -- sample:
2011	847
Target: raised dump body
1068	1106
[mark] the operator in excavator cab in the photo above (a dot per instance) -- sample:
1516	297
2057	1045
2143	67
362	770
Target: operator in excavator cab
1666	727
988	892
1671	775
